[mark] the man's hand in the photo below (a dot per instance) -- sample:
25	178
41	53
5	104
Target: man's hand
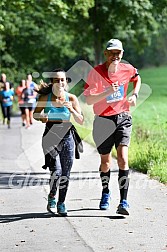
113	88
132	100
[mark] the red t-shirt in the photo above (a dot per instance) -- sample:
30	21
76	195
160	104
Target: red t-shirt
99	79
19	91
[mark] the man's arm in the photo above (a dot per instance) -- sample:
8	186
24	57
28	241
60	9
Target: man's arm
94	98
137	85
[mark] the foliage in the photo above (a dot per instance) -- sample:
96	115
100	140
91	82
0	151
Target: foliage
131	21
41	35
148	154
148	151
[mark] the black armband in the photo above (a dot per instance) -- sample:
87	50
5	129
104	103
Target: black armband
136	95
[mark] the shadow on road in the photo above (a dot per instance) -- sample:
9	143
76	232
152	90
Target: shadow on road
18	217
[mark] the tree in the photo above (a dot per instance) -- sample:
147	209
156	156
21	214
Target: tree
129	20
40	35
35	35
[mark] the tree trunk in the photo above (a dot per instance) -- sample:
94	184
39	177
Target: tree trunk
97	36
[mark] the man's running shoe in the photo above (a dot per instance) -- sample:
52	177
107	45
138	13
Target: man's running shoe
51	206
105	201
61	209
122	208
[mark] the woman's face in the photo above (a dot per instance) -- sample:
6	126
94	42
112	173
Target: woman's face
59	80
7	85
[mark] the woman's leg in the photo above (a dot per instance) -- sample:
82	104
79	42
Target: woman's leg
27	117
66	159
9	108
23	116
3	112
31	114
55	174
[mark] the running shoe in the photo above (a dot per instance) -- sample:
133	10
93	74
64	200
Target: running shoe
61	209
51	206
122	208
105	201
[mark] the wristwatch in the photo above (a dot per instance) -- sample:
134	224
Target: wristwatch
136	95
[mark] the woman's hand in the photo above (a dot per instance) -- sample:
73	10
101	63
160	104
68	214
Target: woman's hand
69	106
44	118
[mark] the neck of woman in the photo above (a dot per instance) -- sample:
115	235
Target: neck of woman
59	94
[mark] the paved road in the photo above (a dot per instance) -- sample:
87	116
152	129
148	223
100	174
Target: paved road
27	226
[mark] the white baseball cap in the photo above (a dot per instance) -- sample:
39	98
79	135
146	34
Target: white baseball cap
114	44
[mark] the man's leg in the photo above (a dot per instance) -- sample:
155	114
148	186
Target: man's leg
105	179
103	130
123	180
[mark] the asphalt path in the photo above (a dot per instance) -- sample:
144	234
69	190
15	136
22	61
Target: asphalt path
25	224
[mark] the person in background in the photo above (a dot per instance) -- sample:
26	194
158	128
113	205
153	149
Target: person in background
18	92
55	107
6	98
2	86
106	89
28	95
3	79
34	87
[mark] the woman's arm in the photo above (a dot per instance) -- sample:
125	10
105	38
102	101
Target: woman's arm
37	115
11	97
74	108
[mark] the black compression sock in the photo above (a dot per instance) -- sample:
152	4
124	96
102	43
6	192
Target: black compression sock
123	181
105	178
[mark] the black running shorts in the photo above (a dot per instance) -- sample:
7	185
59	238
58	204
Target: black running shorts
112	130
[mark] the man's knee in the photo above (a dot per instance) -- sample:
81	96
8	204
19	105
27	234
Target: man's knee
105	166
122	162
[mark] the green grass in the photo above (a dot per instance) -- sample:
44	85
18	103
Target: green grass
148	149
148	152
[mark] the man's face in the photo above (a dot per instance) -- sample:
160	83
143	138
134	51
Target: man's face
113	56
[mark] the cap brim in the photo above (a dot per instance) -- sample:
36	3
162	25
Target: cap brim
114	48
